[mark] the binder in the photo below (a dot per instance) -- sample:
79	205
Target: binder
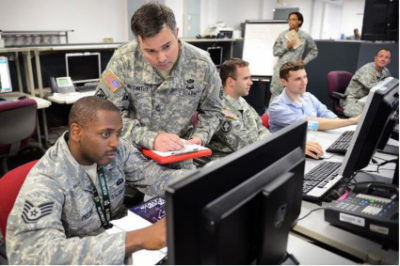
151	210
177	157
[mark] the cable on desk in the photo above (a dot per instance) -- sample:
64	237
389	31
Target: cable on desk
305	216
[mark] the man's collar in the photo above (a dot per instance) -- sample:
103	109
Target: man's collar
289	101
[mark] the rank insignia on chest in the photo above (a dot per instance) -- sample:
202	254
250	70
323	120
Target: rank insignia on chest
228	114
189	84
112	81
226	126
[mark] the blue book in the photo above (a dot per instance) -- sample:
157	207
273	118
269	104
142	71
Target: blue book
151	210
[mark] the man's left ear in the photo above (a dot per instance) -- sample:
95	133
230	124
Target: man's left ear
176	32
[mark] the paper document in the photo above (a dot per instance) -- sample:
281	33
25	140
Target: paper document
188	148
292	35
133	222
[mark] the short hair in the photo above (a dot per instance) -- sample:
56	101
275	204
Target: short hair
384	49
299	17
229	67
289	66
85	109
151	18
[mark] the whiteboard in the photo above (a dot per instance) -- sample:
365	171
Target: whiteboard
259	39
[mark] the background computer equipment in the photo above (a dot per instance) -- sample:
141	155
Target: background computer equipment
83	68
239	209
5	78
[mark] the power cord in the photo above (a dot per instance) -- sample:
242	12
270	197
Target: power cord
306	215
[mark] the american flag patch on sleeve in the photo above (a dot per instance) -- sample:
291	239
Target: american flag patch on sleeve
112	81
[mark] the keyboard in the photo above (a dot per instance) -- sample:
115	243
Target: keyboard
85	88
319	180
342	143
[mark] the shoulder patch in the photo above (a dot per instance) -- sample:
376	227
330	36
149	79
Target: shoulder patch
112	81
226	126
32	213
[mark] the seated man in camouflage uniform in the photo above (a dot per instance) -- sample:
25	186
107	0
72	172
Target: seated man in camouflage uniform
242	124
70	195
363	80
158	82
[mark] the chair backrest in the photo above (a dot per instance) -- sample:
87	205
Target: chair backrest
18	122
338	81
10	185
265	120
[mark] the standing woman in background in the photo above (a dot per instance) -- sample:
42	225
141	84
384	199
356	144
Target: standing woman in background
290	47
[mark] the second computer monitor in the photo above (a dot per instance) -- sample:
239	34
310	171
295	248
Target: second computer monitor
83	67
5	79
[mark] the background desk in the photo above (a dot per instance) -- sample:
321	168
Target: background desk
316	229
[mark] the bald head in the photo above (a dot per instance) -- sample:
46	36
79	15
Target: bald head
85	109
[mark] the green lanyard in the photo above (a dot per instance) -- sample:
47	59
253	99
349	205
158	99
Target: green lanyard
105	210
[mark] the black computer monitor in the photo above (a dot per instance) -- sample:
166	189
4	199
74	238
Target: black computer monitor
83	67
379	109
239	209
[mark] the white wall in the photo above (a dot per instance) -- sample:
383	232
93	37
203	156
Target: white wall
91	20
352	16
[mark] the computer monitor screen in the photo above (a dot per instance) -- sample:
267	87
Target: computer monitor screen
216	54
5	79
83	67
381	104
239	209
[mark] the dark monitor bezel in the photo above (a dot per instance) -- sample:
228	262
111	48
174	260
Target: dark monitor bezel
215	179
78	79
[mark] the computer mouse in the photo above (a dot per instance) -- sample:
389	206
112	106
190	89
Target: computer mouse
22	97
319	158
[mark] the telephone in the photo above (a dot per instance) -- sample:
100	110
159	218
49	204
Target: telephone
61	85
371	210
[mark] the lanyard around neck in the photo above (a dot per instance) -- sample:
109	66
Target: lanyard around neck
104	210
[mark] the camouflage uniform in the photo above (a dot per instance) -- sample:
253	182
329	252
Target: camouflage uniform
150	105
54	219
289	55
360	85
242	126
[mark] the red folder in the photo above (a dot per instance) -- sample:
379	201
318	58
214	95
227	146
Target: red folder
176	158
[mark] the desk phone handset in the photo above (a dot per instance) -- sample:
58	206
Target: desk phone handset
377	189
61	85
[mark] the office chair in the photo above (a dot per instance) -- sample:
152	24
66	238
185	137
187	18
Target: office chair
265	120
18	123
10	185
337	84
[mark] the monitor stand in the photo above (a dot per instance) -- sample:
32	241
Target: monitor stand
290	260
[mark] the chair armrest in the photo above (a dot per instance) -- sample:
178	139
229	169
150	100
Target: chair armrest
338	95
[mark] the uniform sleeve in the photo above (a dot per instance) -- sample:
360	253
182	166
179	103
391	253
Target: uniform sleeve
312	50
115	75
35	233
322	110
280	48
209	114
281	116
147	175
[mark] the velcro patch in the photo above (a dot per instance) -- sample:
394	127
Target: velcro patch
112	81
32	213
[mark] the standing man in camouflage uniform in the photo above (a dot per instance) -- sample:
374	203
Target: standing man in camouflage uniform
289	51
70	195
363	80
158	82
242	125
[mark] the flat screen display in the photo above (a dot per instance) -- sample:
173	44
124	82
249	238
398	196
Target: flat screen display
5	79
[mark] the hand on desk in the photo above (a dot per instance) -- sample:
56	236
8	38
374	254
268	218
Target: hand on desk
168	142
152	237
314	149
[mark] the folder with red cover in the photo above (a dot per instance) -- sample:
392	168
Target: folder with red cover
176	157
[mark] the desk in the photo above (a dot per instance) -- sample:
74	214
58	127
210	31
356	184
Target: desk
315	228
69	97
41	105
